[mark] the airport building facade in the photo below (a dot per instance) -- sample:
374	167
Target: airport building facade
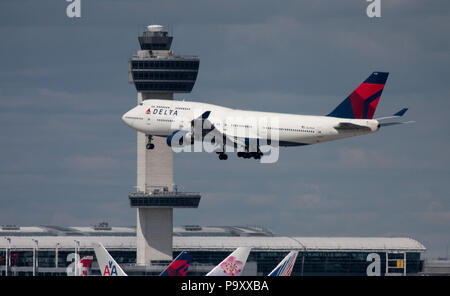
53	249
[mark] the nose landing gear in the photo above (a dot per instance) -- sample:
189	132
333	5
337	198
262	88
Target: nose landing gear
150	145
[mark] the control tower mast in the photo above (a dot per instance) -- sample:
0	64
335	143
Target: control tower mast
157	74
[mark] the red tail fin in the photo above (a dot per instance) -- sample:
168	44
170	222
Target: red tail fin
363	101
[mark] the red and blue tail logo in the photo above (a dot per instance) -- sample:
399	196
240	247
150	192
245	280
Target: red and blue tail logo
286	265
363	101
179	265
110	269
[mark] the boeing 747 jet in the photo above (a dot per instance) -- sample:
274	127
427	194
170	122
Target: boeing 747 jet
184	123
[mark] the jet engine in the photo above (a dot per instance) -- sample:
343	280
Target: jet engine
180	138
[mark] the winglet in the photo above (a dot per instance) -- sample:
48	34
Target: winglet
206	114
201	118
401	112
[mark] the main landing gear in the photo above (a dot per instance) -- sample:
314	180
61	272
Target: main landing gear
222	156
150	145
246	155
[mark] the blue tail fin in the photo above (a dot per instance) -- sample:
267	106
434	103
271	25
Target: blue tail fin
179	265
363	101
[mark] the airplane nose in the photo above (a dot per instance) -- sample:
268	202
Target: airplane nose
126	118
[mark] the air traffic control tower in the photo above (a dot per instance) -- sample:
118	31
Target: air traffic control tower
158	73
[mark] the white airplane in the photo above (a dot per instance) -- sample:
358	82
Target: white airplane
233	265
284	268
183	123
109	267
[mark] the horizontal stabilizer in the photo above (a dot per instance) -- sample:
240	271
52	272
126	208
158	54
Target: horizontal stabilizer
350	126
396	115
401	112
395	123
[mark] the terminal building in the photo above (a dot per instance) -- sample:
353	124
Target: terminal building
50	249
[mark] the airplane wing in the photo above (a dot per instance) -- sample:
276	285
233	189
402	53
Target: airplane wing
108	266
284	268
201	119
207	127
233	264
347	126
179	265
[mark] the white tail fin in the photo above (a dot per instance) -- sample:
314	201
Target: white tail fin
285	266
108	266
233	265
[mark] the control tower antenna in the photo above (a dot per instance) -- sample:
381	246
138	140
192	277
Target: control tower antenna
157	74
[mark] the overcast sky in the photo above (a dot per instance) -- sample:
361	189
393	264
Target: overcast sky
66	158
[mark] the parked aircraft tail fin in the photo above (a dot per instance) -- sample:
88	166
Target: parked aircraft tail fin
108	266
179	265
286	265
233	265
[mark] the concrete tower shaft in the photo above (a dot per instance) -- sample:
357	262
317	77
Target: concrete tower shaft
157	74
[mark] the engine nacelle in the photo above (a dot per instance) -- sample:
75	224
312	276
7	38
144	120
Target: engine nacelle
180	139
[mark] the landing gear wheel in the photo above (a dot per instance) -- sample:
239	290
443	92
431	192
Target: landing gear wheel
223	156
256	155
149	145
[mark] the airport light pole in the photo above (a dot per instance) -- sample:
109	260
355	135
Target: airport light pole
77	247
35	256
7	259
56	254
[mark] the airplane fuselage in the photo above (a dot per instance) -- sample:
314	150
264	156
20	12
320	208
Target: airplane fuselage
164	117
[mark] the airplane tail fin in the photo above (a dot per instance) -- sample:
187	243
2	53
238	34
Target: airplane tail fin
363	101
179	265
85	265
284	268
233	264
108	266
